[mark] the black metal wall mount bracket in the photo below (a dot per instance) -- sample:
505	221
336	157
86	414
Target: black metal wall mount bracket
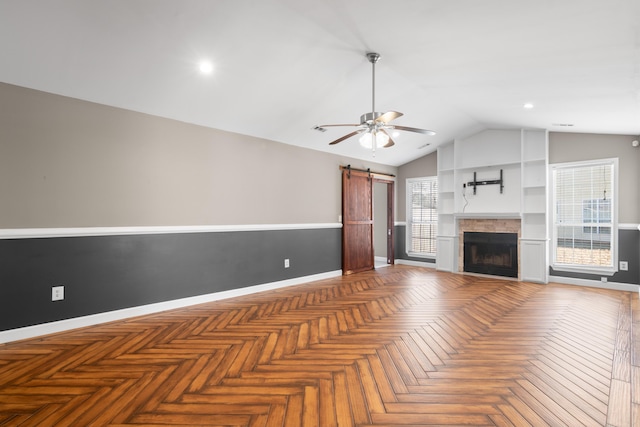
475	182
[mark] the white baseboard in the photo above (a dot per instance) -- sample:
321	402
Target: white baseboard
415	263
595	284
110	316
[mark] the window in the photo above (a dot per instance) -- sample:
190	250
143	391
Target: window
596	211
422	216
585	217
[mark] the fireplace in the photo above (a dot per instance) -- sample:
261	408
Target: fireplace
491	253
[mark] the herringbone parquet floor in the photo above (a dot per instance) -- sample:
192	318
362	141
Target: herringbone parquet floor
399	346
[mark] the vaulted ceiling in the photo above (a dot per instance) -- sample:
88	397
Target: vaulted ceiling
281	67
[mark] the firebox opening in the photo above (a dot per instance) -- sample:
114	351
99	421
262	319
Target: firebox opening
491	253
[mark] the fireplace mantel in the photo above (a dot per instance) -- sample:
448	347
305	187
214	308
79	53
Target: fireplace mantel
489	215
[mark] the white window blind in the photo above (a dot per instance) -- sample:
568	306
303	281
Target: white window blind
422	216
584	220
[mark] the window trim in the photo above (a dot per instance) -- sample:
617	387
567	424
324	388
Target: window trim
408	241
574	268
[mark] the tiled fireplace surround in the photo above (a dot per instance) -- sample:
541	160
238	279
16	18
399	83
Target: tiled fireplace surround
486	225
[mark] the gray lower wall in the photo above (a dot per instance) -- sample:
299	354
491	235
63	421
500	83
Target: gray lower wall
108	273
628	250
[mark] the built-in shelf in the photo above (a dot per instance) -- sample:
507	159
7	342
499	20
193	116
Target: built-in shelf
492	166
520	157
446	203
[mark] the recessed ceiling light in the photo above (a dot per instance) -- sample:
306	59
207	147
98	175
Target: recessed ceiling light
527	106
206	67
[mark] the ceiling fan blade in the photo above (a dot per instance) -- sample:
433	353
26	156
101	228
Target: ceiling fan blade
349	135
390	143
388	116
424	131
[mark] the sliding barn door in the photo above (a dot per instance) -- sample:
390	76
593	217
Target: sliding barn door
357	221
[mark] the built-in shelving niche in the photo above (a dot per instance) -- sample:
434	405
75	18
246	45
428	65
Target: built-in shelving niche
522	155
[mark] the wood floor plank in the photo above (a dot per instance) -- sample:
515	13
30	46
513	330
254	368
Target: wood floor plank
375	403
391	371
357	399
295	408
343	404
399	346
311	409
551	411
571	398
327	403
276	416
619	414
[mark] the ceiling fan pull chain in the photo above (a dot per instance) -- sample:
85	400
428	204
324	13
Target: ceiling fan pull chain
373	143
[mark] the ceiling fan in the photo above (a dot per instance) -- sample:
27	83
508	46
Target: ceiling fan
374	126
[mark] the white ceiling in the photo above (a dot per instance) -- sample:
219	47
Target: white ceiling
283	66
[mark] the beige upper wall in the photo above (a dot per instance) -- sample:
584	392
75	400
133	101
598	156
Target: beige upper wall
573	147
71	163
419	168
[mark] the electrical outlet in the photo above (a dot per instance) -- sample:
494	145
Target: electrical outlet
603	279
286	263
624	266
57	293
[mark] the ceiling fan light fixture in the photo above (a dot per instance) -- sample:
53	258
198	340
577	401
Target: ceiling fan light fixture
381	139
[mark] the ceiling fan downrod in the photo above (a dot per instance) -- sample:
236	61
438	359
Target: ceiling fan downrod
373	58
